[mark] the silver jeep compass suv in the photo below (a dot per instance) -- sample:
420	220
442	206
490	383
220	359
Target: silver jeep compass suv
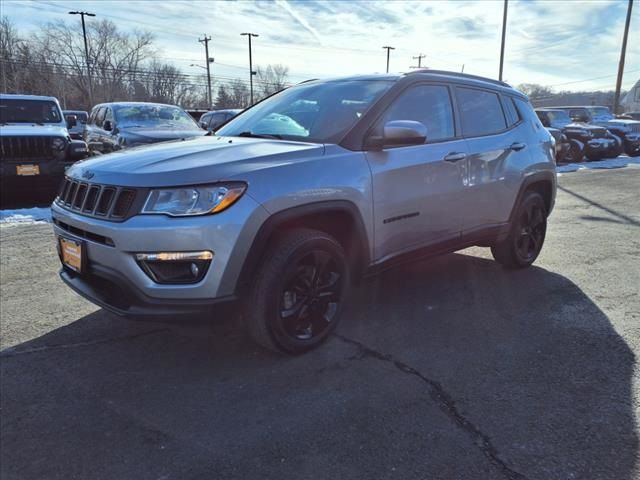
304	192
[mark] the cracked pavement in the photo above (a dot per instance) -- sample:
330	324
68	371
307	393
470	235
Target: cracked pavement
452	368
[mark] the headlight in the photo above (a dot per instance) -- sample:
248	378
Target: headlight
58	144
199	200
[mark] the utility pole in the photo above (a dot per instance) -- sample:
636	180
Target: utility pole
86	50
623	52
251	72
388	50
419	58
206	41
504	32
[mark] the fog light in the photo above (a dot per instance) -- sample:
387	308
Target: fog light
175	267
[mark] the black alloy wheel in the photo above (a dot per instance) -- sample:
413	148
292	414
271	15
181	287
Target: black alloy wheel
298	291
526	235
532	227
310	296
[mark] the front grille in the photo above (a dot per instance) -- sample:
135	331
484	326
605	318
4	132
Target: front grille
102	201
635	128
599	132
21	148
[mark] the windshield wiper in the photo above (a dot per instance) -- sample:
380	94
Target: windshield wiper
259	135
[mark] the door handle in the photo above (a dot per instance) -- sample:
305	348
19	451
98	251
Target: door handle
455	157
517	146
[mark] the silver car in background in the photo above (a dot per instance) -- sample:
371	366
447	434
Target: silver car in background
306	191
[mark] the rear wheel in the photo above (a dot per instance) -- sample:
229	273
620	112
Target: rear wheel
297	295
526	235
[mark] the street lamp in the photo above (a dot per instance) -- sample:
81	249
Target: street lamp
86	49
251	72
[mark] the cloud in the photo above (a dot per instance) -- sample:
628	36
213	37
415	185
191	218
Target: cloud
284	4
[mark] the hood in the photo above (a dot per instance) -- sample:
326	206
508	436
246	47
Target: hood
151	135
32	130
617	122
194	161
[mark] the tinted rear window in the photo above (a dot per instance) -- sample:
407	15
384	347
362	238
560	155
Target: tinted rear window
480	111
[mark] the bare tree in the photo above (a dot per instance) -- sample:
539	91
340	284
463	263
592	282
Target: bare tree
271	79
115	57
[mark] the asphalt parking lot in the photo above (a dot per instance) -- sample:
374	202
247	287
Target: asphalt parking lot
451	368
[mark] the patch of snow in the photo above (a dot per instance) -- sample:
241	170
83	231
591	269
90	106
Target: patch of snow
619	162
25	216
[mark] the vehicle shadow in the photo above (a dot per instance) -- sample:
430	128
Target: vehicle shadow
452	368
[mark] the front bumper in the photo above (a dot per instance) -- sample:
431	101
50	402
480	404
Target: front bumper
600	145
114	280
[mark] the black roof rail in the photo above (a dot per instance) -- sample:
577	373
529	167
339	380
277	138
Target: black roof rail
459	74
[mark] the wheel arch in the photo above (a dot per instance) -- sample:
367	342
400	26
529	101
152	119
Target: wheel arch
339	218
543	183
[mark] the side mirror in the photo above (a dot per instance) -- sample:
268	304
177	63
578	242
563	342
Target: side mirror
399	133
72	121
107	125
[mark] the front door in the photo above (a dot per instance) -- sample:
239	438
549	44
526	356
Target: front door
416	189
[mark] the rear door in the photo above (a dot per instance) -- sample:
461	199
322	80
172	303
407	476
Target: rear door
417	189
497	147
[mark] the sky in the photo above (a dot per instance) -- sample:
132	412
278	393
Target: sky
565	44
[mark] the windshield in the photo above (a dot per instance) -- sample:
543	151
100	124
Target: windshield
317	112
599	112
29	111
559	116
153	116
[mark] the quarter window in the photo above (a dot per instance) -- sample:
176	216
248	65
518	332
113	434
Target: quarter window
510	111
428	104
481	113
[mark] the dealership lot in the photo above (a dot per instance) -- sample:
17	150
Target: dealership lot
449	368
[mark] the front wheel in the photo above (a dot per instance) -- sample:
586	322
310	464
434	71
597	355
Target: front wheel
574	154
526	234
296	298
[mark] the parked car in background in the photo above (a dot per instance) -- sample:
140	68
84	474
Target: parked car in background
117	125
628	131
34	141
215	118
385	168
77	131
563	145
584	139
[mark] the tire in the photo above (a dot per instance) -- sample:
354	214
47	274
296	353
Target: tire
617	150
296	298
594	157
574	154
526	234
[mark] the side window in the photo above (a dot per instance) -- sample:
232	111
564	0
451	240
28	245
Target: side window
525	110
510	111
480	111
109	115
204	121
92	116
217	119
428	104
100	116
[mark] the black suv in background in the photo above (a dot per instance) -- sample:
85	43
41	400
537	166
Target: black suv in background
77	131
628	131
117	125
212	120
593	141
